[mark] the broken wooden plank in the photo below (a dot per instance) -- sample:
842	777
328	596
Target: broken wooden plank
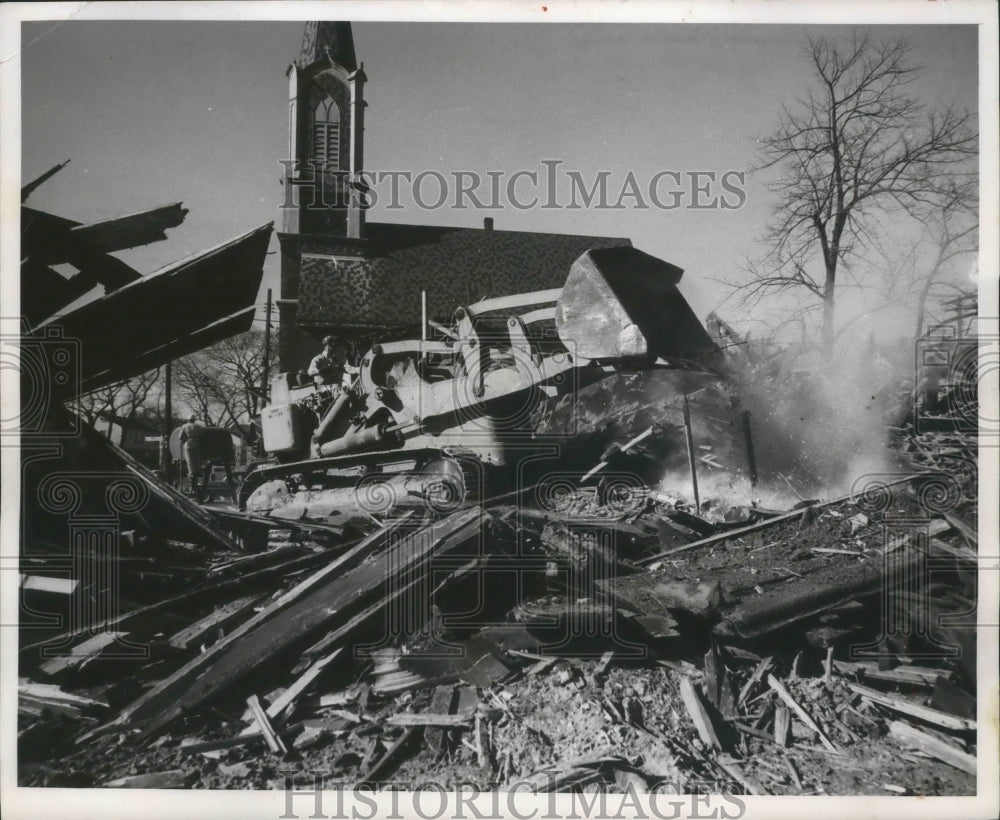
443	702
219	619
735	771
387	762
130	231
482	752
335	599
287	698
752	681
428	719
542	666
231	271
925	713
200	746
782	724
467	701
908	675
824	589
27	190
211	592
376	608
274	742
90	648
749	730
603	663
261	560
170	779
802	714
701	719
332	699
43	583
35	698
51	692
276	709
937	748
793	772
967	531
163	695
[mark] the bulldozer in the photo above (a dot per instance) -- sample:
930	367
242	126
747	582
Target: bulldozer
610	381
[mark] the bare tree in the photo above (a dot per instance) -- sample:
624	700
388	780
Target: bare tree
222	383
120	403
953	228
857	147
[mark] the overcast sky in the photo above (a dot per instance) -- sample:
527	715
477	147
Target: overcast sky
158	112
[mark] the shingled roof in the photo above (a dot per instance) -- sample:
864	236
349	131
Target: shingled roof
381	286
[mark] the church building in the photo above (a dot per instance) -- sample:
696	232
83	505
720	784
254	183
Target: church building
348	277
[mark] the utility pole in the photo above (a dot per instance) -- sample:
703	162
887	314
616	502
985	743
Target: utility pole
265	375
168	424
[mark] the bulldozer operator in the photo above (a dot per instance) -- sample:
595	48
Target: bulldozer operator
331	367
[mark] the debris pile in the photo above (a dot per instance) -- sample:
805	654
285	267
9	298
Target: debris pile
566	649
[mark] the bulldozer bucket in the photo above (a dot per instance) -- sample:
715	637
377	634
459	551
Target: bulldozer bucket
623	303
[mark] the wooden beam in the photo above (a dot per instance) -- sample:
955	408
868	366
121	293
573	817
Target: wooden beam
90	648
158	700
802	714
933	746
925	713
276	710
225	278
385	764
701	719
428	719
274	743
43	583
219	619
336	598
27	190
907	675
131	231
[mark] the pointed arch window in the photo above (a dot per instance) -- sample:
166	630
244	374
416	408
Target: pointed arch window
326	132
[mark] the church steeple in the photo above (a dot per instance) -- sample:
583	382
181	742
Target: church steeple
332	40
325	134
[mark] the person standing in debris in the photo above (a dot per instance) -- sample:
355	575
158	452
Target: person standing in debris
330	367
191	448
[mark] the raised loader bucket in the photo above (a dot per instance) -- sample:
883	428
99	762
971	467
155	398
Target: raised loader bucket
623	303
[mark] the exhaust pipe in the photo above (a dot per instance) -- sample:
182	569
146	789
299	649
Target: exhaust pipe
360	440
331	416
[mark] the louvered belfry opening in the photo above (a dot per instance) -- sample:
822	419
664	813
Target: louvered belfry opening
326	133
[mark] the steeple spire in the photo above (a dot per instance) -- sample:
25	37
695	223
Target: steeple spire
328	39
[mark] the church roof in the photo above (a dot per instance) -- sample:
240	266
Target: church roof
381	285
325	38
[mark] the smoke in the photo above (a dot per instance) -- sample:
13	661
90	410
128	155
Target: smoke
818	426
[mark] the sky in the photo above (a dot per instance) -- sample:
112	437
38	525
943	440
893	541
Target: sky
158	112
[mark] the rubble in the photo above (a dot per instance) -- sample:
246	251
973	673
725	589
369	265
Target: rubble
709	693
561	635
